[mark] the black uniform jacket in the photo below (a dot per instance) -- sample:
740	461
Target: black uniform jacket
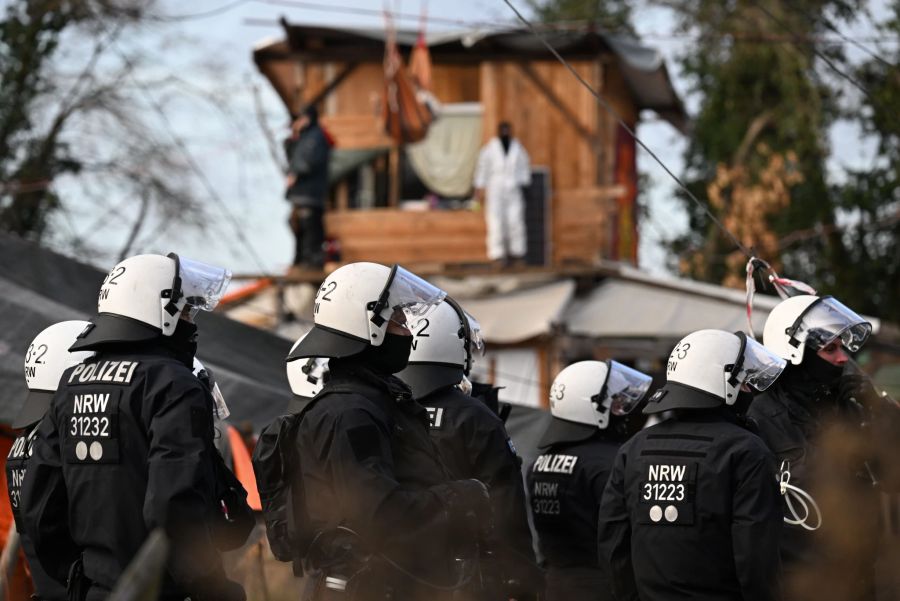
566	484
473	443
45	586
368	464
692	511
787	416
126	447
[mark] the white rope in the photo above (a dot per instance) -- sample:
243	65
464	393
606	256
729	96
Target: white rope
795	496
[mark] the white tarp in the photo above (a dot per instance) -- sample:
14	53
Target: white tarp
521	315
645	306
629	309
445	159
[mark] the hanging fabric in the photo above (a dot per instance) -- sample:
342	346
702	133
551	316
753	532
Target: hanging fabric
445	160
420	59
785	287
406	118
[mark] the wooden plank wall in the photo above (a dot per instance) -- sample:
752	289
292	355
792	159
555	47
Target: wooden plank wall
409	237
581	170
578	203
353	112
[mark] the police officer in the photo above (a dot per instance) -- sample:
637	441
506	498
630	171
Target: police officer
127	445
47	357
383	516
591	402
692	507
813	334
471	438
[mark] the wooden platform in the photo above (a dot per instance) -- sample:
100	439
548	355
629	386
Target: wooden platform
409	237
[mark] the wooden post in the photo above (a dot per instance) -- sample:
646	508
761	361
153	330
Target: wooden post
342	196
394	177
489	99
544	372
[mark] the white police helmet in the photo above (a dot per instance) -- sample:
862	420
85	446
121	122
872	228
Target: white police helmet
47	358
307	376
811	321
144	296
707	369
205	375
443	348
355	303
585	395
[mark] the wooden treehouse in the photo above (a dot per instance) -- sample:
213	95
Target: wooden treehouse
387	204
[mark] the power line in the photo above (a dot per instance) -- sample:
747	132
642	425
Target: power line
815	50
612	111
558	26
214	12
192	163
830	26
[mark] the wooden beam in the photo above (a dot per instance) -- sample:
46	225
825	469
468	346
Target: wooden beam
544	357
557	103
332	85
342	196
394	177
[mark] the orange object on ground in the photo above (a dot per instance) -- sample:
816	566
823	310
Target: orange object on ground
21	587
243	469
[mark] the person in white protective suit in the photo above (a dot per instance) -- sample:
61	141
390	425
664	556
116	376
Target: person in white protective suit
503	169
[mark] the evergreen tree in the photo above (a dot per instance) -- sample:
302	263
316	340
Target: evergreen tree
610	15
869	274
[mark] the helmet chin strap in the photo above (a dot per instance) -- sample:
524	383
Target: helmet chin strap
175	293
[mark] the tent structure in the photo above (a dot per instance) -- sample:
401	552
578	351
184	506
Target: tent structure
39	287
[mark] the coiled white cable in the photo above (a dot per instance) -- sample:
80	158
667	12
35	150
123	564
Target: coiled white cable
795	496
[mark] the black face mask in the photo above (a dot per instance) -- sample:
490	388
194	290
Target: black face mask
505	139
389	358
819	370
183	341
742	403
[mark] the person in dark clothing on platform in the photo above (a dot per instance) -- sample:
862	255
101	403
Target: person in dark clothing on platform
309	150
47	357
473	442
692	507
591	403
384	517
127	445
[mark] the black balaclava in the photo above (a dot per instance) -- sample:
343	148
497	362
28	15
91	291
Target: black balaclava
742	403
623	427
504	132
812	383
820	370
389	358
183	342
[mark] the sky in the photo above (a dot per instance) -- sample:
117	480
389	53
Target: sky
213	109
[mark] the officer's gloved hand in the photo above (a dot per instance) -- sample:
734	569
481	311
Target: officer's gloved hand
857	390
469	503
217	588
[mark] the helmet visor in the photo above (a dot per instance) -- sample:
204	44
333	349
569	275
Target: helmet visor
828	319
411	294
626	388
202	285
760	367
